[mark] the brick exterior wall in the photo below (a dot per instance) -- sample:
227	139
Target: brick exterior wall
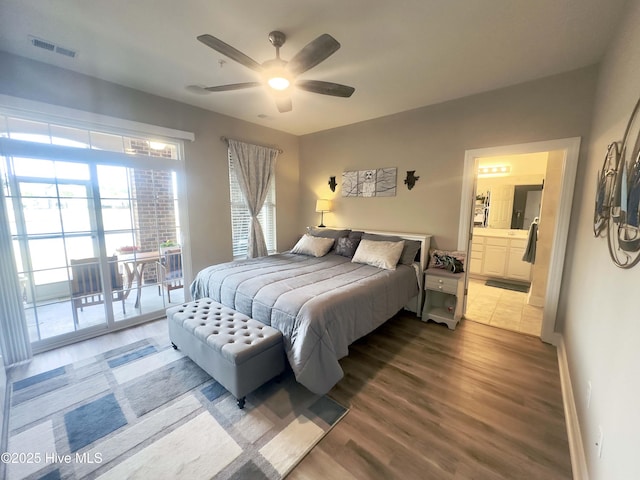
153	210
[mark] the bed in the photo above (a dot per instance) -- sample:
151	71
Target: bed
321	304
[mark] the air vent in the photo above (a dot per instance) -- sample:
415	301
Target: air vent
52	47
66	51
36	42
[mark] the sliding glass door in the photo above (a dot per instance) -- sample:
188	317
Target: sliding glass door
139	210
96	235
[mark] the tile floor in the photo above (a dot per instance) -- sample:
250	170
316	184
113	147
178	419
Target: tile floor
56	318
502	308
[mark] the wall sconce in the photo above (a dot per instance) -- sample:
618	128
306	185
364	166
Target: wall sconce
332	183
411	179
322	205
494	170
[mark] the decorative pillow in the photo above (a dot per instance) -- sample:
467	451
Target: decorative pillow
410	251
314	246
411	247
346	246
379	254
448	260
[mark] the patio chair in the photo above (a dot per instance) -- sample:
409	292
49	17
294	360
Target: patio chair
170	268
86	284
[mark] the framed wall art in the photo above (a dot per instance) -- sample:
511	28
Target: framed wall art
380	182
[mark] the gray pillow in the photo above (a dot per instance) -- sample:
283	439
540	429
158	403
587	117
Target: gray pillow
346	246
409	252
327	232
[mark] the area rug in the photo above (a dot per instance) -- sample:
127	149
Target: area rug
147	411
515	286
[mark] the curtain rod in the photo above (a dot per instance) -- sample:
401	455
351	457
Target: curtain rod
226	140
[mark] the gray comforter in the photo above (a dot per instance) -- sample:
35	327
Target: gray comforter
321	305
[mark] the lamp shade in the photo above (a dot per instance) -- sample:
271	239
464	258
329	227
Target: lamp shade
323	205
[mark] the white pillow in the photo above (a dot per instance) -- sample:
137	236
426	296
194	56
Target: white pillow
379	254
314	246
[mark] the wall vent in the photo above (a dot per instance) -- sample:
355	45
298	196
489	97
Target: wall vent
36	42
52	47
66	51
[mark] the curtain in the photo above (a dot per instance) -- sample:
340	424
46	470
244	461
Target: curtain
255	166
14	336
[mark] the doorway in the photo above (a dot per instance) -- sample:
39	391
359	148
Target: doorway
567	157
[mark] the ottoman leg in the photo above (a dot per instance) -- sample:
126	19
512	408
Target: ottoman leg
241	403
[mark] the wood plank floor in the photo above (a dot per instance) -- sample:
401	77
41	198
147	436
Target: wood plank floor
430	403
425	403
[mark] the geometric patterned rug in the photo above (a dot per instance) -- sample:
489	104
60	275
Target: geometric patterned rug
146	411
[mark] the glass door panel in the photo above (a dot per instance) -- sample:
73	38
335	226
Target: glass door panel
139	218
31	167
54	225
91	244
39	217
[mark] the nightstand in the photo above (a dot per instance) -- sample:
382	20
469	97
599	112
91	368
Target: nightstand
444	293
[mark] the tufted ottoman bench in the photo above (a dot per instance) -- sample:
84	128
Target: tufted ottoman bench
238	352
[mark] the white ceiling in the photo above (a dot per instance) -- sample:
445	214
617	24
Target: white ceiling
398	55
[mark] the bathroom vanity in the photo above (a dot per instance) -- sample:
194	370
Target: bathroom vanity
497	253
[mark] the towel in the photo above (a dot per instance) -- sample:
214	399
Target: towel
530	251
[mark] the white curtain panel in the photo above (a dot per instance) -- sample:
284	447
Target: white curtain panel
14	336
255	166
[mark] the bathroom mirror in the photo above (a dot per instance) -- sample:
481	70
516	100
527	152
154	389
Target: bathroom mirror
526	206
509	190
506	205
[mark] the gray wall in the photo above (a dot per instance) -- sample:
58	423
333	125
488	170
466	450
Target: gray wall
206	166
432	141
601	308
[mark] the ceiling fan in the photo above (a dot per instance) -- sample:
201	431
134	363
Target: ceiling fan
279	75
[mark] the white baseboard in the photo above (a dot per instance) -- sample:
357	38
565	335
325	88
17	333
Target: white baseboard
576	447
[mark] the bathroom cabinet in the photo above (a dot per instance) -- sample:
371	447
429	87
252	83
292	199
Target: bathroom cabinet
499	256
516	268
495	257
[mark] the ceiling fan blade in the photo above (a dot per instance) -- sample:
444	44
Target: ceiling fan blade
284	104
313	53
325	88
227	50
197	89
233	86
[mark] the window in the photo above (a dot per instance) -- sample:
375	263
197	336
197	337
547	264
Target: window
87	206
240	217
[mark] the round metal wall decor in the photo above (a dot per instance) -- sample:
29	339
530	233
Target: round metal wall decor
604	188
618	196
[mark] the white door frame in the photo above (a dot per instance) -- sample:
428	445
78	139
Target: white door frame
571	149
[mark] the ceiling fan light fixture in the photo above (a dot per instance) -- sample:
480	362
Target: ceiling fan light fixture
277	75
279	83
